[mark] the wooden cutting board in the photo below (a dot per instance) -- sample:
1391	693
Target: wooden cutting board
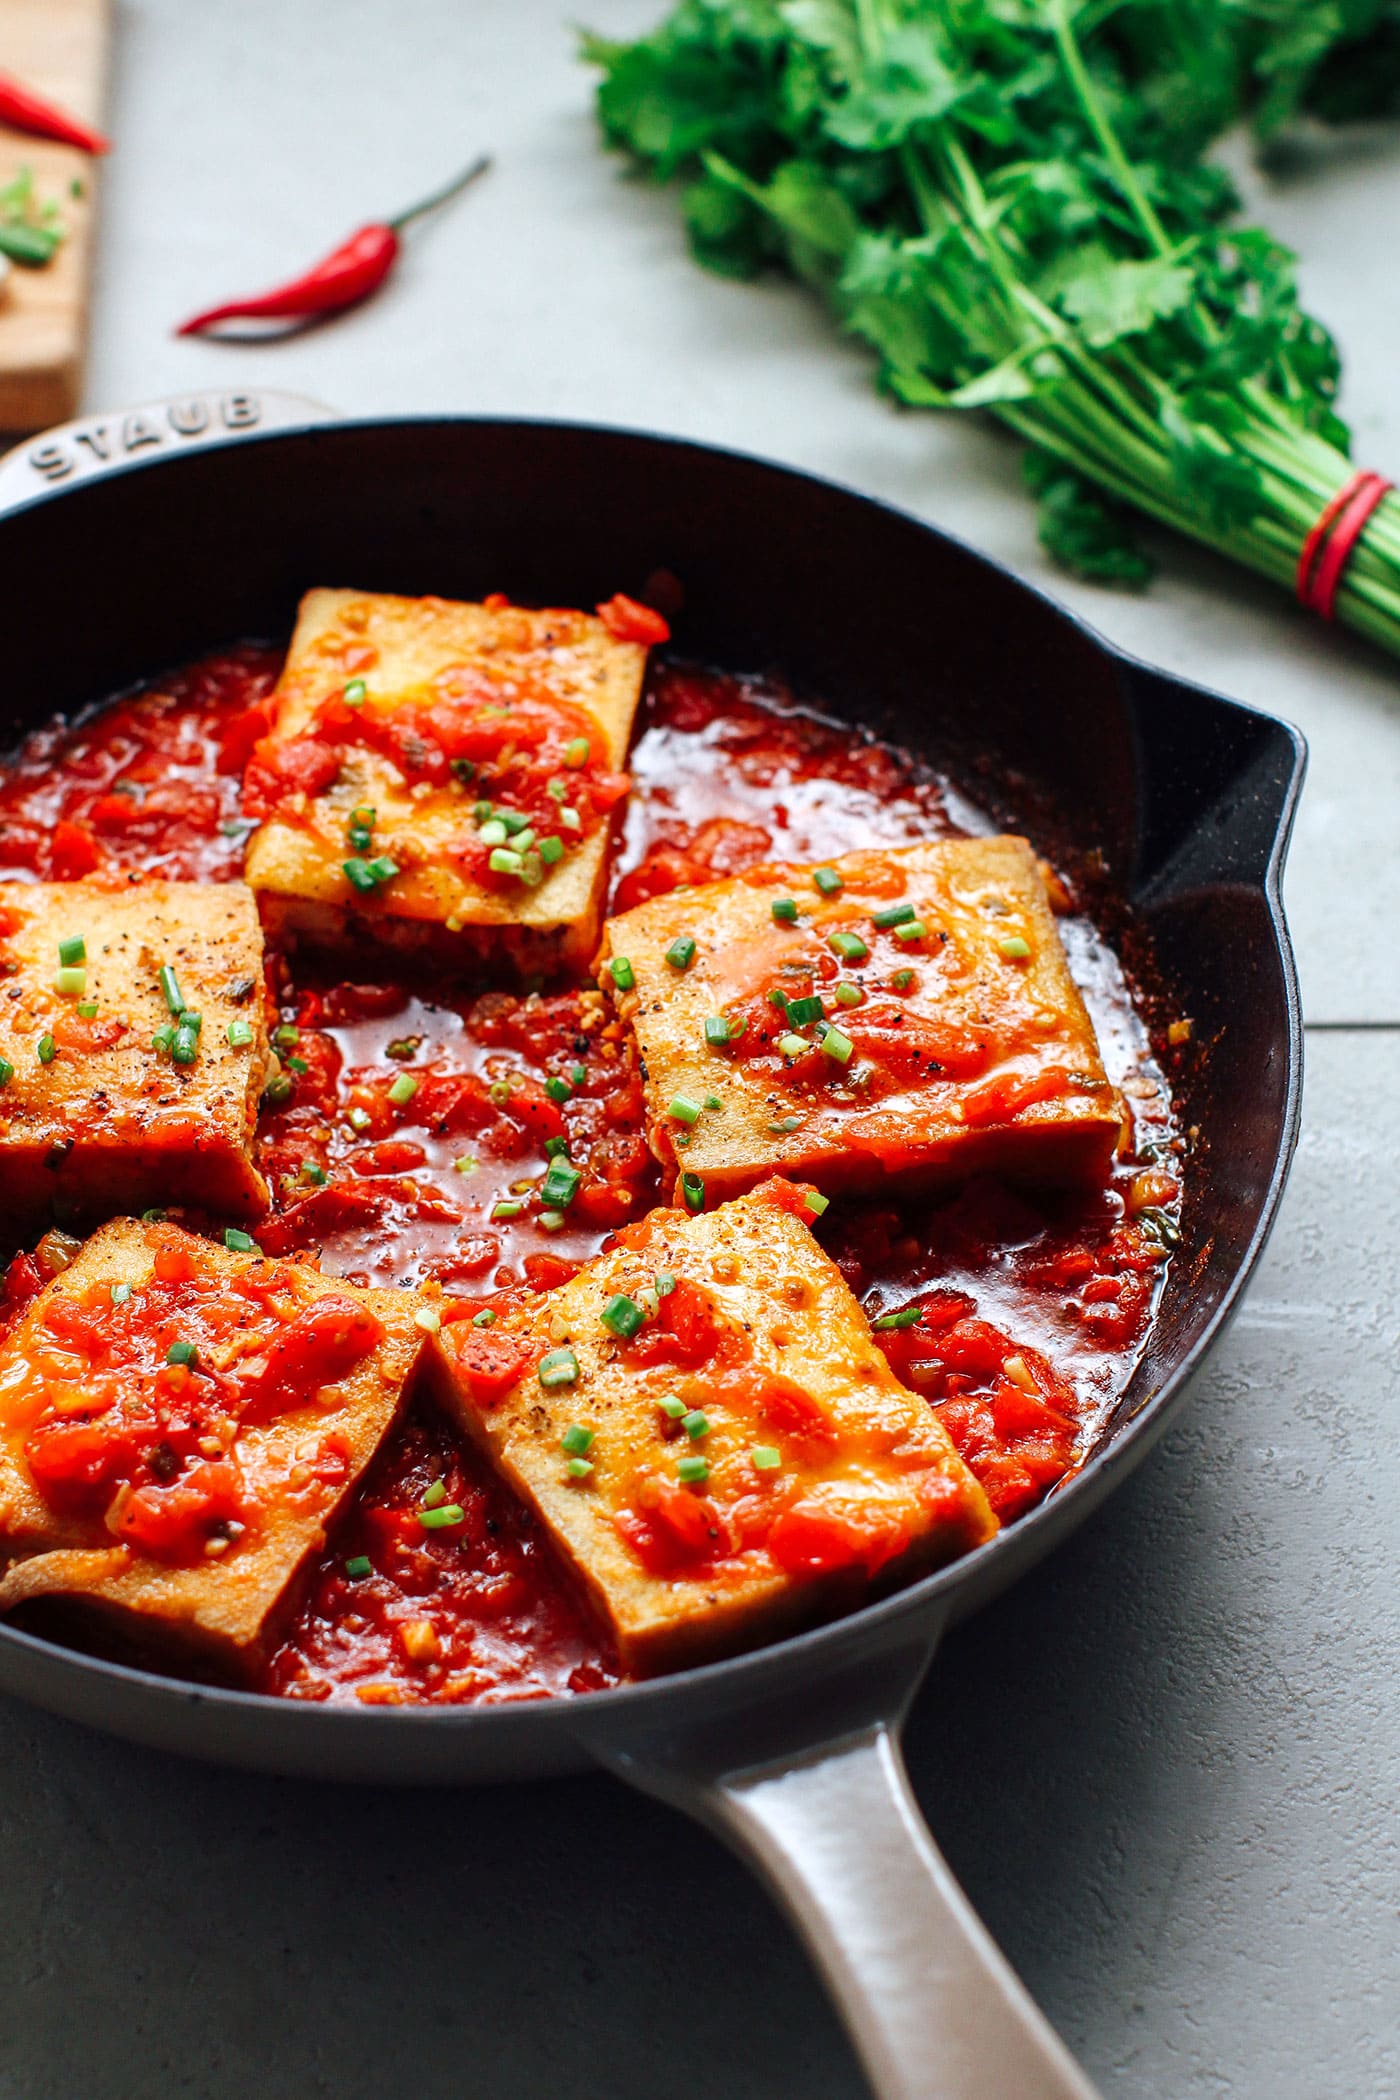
59	49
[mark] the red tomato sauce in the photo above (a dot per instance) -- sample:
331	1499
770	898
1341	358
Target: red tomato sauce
1019	1316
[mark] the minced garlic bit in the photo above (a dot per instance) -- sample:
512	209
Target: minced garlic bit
420	1641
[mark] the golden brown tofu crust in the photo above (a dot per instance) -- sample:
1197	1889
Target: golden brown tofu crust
1013	1015
432	912
881	1458
224	1611
111	1125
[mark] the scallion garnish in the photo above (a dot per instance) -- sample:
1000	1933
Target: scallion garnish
505	1209
784	910
70	983
73	950
558	1089
892	915
849	946
576	1440
7	1071
358	1567
793	1045
802	1012
354	692
48	1050
578	1074
485	1318
427	1319
442	1518
550	850
622	1316
240	1034
120	1292
87	1009
827	881
1014	947
693	1470
902	979
693	1191
579	1468
182	1353
848	995
403	1089
239	1242
911	930
681	953
560	1185
576	752
683	1109
170	988
557	1367
837	1045
907	1316
623	975
717	1033
766	1457
695	1424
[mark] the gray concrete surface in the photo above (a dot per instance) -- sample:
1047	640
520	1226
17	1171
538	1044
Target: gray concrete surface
1166	1767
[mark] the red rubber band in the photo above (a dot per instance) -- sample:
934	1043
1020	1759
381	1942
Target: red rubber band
1332	542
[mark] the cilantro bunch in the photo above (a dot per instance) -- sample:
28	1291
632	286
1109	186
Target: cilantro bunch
1006	200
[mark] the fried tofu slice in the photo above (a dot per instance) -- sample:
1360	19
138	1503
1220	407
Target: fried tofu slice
705	1426
474	750
907	1013
169	1498
94	1118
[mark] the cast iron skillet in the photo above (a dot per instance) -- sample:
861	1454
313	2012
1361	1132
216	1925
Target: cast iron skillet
137	541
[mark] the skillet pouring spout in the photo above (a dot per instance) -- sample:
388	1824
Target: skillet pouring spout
197	522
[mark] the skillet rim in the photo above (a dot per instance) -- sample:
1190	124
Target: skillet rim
933	1598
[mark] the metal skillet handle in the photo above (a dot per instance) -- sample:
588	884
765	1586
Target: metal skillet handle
933	2008
94	445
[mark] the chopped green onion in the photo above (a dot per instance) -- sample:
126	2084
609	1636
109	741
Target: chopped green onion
182	1353
683	1109
556	1148
365	817
816	1203
793	1045
578	1074
849	946
827	881
506	1208
681	953
766	1457
485	1318
70	984
579	1468
523	840
892	915
695	1425
170	987
191	1020
802	1012
849	995
359	1567
152	1216
570	819
358	874
777	997
427	1319
835	1044
164	1036
505	861
557	1367
240	1034
551	850
557	789
87	1009
717	1033
354	693
316	1175
560	1185
358	1118
693	1470
48	1050
359	838
676	1409
73	950
576	752
623	975
907	1316
493	832
404	1088
482	812
558	1089
665	1284
622	1315
278	1091
383	869
466	1163
911	930
499	1091
287	1036
902	979
120	1293
1014	947
239	1242
552	1220
784	910
713	1103
784	1124
435	1493
462	769
442	1518
7	1071
693	1191
185	1048
576	1440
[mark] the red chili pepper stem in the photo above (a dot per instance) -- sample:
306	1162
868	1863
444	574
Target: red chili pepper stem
448	190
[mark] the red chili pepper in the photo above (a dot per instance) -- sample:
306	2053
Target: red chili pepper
343	278
26	112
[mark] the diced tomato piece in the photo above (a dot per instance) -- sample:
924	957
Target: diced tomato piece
627	621
241	733
490	1363
975	1346
302	765
72	1032
73	852
810	1539
322	1344
174	1522
76	1464
1002	1098
686	1330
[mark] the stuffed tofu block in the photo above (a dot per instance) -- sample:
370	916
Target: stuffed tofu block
133	1047
898	1013
441	776
179	1424
705	1426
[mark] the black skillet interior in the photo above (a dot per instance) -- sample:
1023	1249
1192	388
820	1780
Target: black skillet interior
1185	796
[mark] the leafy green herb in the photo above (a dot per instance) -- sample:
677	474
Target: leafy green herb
1009	204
